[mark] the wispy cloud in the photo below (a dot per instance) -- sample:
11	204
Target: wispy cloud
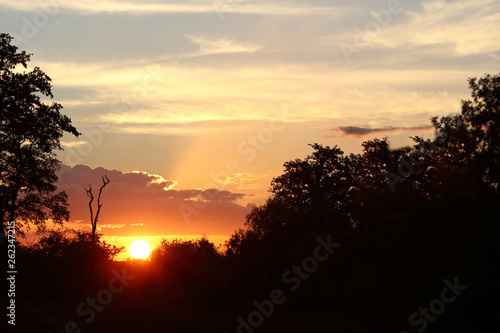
73	144
455	25
110	226
244	180
198	6
221	45
191	98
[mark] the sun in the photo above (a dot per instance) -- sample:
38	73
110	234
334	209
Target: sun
140	249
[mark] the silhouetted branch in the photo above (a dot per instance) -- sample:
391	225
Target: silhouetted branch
94	219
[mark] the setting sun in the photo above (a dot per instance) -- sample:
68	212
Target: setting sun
140	249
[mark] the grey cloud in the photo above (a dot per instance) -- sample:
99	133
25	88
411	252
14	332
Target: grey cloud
357	132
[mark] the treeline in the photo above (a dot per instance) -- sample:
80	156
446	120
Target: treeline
387	240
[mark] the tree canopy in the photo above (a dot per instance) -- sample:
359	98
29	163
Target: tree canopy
30	132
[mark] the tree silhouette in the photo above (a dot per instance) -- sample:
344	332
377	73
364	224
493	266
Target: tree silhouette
472	136
65	261
95	219
313	194
30	131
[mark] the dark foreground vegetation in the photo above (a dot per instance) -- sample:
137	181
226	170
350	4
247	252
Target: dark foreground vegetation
384	241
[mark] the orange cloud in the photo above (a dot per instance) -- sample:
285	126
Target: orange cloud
139	203
244	180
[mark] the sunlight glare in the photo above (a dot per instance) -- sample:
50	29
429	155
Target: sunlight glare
140	249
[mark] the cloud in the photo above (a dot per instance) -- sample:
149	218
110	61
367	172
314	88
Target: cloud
456	26
358	132
222	45
110	226
186	7
73	144
139	202
190	98
157	180
243	181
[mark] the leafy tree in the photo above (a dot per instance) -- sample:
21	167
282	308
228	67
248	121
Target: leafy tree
185	261
241	242
377	176
65	262
312	197
30	131
178	250
473	135
73	245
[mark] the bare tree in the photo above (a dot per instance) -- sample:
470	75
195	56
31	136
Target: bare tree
94	219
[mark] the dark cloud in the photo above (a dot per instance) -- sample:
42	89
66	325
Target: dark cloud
357	132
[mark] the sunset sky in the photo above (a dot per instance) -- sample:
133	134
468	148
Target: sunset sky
192	107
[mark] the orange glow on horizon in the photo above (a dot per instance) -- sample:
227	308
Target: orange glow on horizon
154	241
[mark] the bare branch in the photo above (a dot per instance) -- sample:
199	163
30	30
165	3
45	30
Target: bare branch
95	219
99	205
89	194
